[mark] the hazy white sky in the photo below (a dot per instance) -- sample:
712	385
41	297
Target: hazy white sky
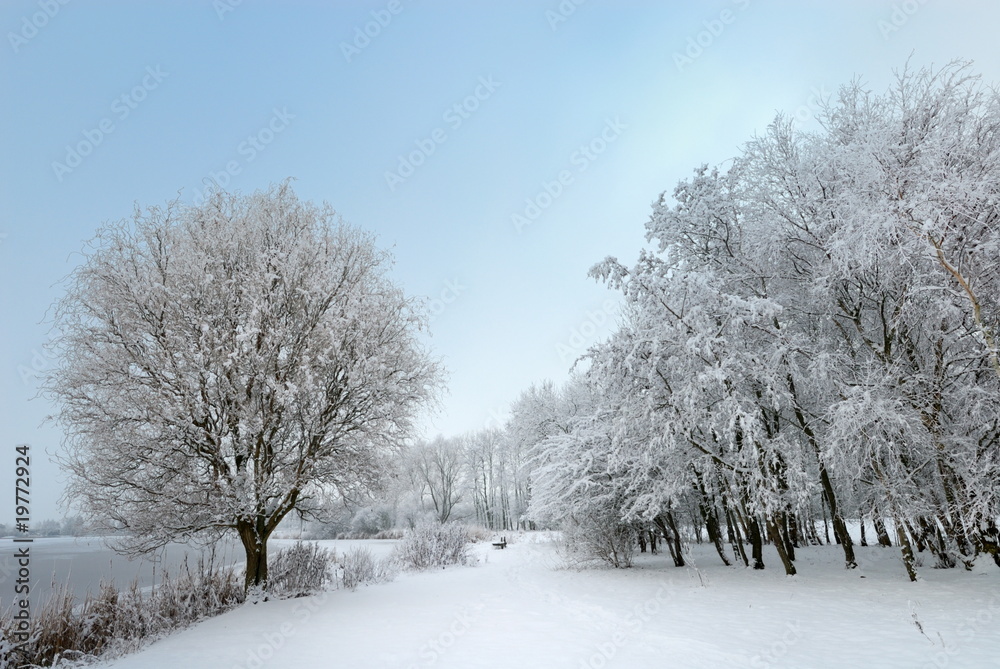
500	148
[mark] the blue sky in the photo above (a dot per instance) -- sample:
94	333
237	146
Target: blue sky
527	139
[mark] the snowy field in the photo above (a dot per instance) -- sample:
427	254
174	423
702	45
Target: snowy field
520	608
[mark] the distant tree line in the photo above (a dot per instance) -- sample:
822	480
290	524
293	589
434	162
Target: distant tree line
70	526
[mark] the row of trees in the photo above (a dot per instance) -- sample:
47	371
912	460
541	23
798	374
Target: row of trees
481	477
814	331
478	476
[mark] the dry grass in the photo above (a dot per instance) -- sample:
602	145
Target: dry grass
300	569
64	632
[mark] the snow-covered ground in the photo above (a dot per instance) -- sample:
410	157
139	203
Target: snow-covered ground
518	608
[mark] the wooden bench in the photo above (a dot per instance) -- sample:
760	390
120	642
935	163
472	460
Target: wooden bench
500	544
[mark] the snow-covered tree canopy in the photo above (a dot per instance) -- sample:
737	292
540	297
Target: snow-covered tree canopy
225	364
815	327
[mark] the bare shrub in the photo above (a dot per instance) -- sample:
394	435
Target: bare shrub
478	534
389	535
359	567
590	541
300	569
382	534
434	545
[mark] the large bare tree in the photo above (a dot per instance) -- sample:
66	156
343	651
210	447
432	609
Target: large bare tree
224	365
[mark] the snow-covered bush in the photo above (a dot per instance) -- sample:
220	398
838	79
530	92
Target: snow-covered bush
359	567
196	593
478	534
300	569
382	534
594	539
434	545
371	520
6	649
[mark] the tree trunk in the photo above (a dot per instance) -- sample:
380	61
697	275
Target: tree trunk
904	542
840	529
809	529
785	529
678	548
864	538
956	530
917	539
839	526
792	526
669	529
780	543
756	543
255	546
735	538
712	523
826	521
696	526
881	532
939	544
733	531
988	538
706	507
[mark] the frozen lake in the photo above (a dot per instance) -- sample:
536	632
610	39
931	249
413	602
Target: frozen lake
85	562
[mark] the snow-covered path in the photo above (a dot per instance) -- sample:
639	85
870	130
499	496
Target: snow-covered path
517	609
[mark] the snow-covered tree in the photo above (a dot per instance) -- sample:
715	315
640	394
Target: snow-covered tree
815	328
224	365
